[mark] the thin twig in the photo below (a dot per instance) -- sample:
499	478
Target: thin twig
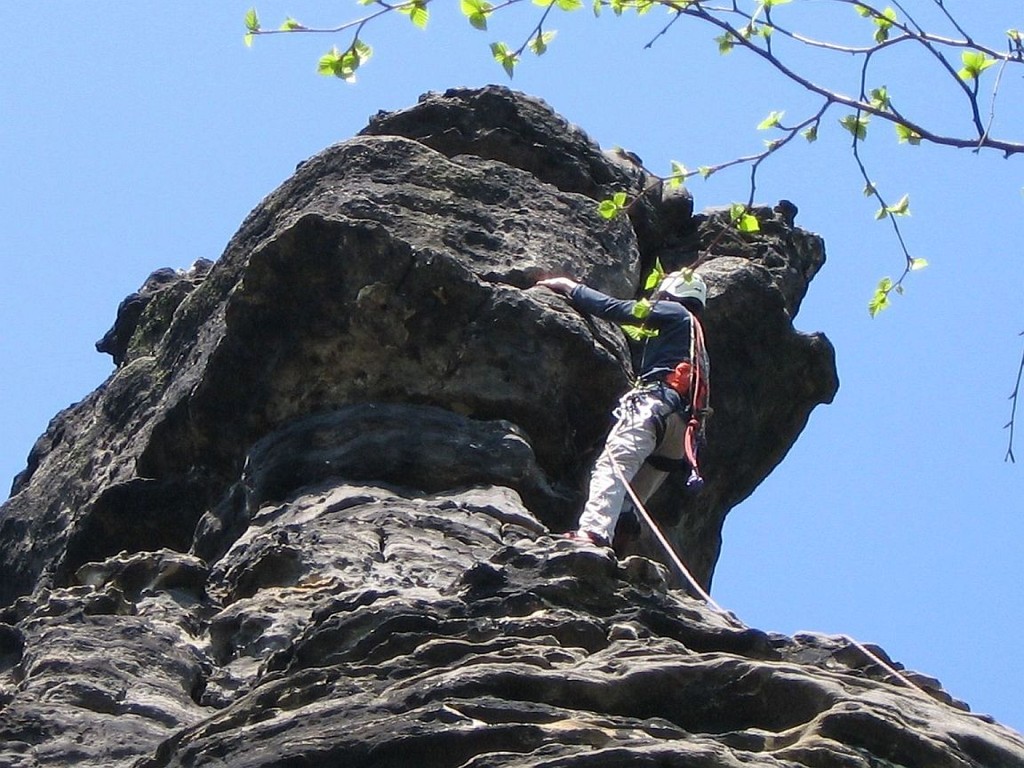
1013	409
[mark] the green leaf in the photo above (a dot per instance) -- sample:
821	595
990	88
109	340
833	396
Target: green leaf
975	62
642	309
772	3
608	209
880	299
252	21
539	44
613	206
858	126
678	175
290	24
880	98
916	264
327	63
883	23
725	42
811	133
417	12
901	208
508	59
772	121
870	189
705	171
907	135
743	219
639	334
476	11
748	223
344	64
655	276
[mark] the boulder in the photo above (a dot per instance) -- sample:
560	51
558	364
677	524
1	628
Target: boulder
312	517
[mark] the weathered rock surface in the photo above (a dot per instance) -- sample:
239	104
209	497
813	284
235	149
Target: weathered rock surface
310	519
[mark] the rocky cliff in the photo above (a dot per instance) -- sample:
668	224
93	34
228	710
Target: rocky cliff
311	518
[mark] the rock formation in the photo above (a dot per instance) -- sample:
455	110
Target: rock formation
311	518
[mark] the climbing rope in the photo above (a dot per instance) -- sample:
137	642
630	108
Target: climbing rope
666	545
702	593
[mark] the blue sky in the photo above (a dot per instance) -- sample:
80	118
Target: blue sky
141	139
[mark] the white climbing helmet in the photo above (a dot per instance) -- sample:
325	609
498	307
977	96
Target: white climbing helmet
684	284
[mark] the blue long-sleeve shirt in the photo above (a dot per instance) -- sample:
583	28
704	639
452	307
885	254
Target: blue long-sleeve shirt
653	356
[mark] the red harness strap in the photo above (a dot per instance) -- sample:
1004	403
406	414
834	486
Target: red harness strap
699	394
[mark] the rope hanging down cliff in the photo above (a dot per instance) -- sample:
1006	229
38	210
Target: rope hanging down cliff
703	594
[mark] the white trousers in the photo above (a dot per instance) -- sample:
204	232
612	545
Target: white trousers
632	439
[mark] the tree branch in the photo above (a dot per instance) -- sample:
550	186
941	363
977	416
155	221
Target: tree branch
1013	409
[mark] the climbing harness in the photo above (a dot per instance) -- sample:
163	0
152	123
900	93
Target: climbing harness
700	392
690	380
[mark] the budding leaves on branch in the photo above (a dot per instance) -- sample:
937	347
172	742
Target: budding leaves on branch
880	98
974	63
565	5
772	121
880	299
743	219
678	176
883	21
539	43
613	206
252	25
907	135
655	276
344	64
636	333
901	208
506	57
476	11
416	11
642	309
856	125
726	43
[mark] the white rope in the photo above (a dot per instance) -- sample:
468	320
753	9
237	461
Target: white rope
888	667
677	561
669	550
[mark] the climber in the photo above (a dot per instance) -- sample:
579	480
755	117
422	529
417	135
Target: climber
658	420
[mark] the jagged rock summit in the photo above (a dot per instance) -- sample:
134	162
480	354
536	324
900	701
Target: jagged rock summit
311	518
